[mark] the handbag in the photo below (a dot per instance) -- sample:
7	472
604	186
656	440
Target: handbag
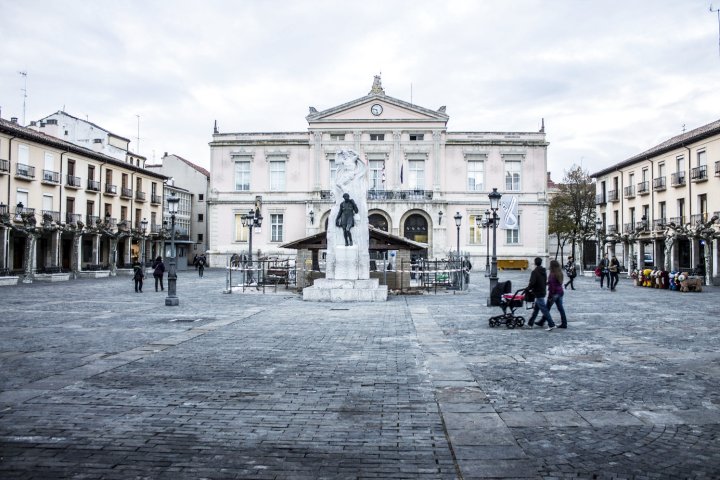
598	272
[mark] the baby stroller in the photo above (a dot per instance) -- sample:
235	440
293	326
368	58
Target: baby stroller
512	301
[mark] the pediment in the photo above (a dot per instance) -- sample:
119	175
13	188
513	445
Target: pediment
393	110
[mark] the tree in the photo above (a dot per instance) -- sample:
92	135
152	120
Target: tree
706	231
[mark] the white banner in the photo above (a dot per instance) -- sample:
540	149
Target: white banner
508	213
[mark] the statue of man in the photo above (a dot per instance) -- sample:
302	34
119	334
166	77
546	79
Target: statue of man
345	217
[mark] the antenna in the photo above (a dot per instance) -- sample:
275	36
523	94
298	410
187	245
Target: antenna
717	10
24	90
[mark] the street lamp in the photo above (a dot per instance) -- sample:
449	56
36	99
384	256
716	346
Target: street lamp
312	217
250	220
143	229
458	222
488	222
172	299
494	197
598	224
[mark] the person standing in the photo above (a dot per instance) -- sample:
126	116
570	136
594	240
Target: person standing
571	272
538	288
138	276
555	291
158	272
614	270
201	265
604	271
466	267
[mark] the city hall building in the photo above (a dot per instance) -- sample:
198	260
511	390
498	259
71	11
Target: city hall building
420	175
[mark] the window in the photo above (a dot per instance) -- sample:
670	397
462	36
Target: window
124	180
201	217
47	203
22	197
377	137
333	172
23	154
416	174
512	175
90	207
241	232
475	231
512	237
199	237
417	137
277	176
138	184
645	172
70	205
701	158
276	227
661	169
663	211
242	176
377	174
337	137
680	164
123	213
476	175
91	172
201	197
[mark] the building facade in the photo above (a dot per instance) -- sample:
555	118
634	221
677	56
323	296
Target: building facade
660	207
192	217
67	208
420	177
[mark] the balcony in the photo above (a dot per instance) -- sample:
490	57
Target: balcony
385	195
55	216
659	224
643	188
110	189
91	219
677	179
155	228
698	218
613	196
25	211
659	184
4	166
4	210
23	171
612	229
93	186
73	217
699	174
51	177
155	199
126	192
717	167
629	192
677	220
140	196
629	227
72	181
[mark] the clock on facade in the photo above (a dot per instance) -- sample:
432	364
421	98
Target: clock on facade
376	109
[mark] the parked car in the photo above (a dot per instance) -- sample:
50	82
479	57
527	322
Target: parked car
648	260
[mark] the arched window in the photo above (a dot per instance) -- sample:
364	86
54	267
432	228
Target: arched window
416	228
378	221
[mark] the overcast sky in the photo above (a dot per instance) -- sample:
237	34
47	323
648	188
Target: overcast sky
611	78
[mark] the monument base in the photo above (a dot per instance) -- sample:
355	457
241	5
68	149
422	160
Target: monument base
337	290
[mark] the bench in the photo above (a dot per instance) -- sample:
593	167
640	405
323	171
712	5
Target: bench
512	264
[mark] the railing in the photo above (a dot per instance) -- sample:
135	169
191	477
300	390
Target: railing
53	214
600	199
677	220
643	188
629	192
50	176
25	210
26	171
111	189
91	219
677	179
126	192
717	168
72	181
73	217
698	174
659	224
140	196
4	165
389	195
93	185
4	209
698	218
659	183
612	229
629	227
155	199
613	196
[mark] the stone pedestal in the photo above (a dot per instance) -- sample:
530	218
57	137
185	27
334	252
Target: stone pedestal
337	290
347	263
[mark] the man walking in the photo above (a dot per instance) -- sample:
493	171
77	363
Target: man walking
604	271
538	288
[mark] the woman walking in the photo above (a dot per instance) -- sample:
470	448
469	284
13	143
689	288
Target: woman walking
158	272
571	272
555	291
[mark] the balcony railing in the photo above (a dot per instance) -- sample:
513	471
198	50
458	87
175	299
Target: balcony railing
698	218
717	168
155	228
628	227
73	217
698	174
613	196
677	179
4	209
51	177
677	220
4	166
72	181
155	199
381	195
612	229
93	185
91	219
629	192
600	199
659	224
126	192
140	196
53	214
659	183
110	189
643	188
24	171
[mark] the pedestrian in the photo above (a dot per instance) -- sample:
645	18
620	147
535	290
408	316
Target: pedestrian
466	267
538	288
158	272
201	265
604	271
138	276
614	270
195	261
555	291
571	272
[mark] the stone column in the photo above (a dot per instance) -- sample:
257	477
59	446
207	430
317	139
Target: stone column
394	172
96	249
55	245
4	241
317	145
437	136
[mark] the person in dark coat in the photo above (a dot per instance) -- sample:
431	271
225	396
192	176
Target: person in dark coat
538	288
138	276
571	272
158	272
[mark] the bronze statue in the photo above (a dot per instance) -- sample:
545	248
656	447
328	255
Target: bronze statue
345	219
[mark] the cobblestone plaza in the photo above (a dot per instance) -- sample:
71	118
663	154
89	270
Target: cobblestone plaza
101	382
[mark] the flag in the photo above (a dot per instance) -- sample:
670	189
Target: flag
509	213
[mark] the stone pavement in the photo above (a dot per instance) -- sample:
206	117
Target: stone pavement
100	382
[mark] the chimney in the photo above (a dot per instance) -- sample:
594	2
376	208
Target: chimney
13	119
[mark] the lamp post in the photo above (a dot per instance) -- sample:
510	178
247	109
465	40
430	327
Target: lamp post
250	220
143	229
494	197
172	299
598	224
458	222
488	221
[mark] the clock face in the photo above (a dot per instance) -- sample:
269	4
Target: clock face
376	109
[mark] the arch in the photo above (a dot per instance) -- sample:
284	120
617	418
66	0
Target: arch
416	225
380	220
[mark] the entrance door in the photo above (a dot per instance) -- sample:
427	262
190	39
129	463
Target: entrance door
18	253
416	228
684	254
66	253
